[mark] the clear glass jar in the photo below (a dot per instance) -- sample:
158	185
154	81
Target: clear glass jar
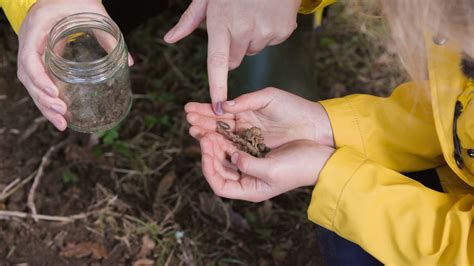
87	59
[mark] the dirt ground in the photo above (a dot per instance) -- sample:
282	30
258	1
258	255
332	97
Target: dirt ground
135	195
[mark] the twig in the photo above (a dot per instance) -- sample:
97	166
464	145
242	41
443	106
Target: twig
177	71
9	186
137	172
8	191
66	219
44	162
32	128
21	101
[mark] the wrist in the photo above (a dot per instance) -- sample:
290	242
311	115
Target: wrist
322	129
322	156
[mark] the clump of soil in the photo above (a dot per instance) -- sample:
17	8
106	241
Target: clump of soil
249	140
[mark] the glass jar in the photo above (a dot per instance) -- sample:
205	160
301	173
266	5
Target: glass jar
87	59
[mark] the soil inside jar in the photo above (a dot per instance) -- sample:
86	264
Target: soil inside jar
95	106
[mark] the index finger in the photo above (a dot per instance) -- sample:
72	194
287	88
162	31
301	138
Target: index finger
218	65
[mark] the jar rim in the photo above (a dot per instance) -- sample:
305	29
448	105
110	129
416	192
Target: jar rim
92	67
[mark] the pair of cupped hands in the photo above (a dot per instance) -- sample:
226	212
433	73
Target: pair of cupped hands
297	130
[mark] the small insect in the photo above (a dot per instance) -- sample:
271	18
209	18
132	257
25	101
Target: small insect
223	125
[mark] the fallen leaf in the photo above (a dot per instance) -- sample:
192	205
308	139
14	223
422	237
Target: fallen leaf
192	151
59	239
265	211
143	262
84	249
77	154
116	254
222	212
147	245
163	188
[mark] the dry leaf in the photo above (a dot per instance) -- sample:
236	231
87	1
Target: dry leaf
77	154
222	212
143	262
192	151
163	188
84	249
58	240
265	211
147	245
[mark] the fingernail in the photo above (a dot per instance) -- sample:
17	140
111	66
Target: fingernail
170	34
234	158
130	61
51	91
218	108
59	124
57	108
230	103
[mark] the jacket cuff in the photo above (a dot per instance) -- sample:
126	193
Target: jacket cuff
344	122
310	6
16	11
332	181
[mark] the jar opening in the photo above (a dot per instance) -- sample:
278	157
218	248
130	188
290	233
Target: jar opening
84	46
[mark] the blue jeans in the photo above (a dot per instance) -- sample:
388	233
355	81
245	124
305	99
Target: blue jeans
337	251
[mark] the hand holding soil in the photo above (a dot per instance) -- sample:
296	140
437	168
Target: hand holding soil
287	167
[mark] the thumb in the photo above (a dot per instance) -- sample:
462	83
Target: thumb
250	102
131	62
188	22
249	165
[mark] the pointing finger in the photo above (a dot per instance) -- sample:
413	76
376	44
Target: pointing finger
218	65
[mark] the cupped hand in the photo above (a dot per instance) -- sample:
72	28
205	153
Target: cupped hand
282	116
235	28
237	175
32	38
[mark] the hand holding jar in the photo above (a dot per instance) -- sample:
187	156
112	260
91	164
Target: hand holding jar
33	36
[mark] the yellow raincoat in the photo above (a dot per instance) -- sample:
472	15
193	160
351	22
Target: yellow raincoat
361	193
16	11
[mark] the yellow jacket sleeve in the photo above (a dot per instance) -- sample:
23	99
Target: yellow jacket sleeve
310	6
16	11
396	219
397	132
